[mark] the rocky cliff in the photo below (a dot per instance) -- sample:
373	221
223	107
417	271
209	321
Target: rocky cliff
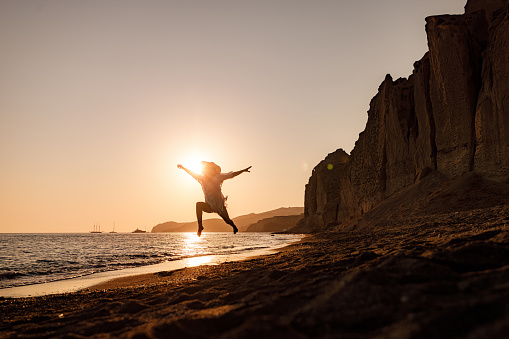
450	116
329	198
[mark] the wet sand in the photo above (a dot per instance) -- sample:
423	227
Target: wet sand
436	276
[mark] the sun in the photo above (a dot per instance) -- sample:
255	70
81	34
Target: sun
193	163
191	158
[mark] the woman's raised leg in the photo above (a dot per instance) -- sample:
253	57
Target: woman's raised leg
200	208
226	218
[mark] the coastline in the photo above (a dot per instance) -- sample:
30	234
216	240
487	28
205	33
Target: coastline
430	276
104	278
137	280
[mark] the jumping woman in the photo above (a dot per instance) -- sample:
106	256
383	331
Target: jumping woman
211	181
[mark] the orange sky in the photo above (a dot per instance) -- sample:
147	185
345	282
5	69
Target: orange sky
100	100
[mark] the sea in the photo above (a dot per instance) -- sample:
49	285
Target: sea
29	259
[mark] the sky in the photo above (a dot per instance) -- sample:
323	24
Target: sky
101	99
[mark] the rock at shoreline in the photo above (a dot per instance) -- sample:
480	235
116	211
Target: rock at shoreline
328	194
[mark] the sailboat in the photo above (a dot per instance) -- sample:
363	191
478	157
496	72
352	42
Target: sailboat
113	229
97	229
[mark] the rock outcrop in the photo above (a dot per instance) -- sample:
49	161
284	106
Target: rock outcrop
491	8
451	116
329	198
380	166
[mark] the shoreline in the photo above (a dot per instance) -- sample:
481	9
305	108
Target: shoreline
107	278
136	280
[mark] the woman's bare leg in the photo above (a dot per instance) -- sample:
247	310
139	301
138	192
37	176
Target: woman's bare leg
226	218
200	208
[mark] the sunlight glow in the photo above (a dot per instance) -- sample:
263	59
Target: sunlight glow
197	261
193	163
192	244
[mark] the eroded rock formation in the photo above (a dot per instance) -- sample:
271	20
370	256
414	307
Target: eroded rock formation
329	198
451	115
492	110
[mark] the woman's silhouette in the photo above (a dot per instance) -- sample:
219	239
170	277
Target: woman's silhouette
211	180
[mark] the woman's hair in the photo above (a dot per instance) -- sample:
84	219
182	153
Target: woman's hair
210	168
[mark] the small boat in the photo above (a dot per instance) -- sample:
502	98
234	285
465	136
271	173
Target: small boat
97	229
113	229
139	231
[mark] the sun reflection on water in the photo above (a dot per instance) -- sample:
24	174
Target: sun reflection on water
193	245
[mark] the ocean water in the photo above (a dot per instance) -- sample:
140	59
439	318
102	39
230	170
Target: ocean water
27	259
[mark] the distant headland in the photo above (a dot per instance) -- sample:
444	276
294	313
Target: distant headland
243	222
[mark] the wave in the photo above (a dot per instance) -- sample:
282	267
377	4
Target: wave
10	275
43	259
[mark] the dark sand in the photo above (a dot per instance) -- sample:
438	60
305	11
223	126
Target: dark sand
438	276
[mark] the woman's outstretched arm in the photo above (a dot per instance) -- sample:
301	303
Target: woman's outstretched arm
234	174
191	173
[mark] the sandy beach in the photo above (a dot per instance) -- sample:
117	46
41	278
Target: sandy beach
440	276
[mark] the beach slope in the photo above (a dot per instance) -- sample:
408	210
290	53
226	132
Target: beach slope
441	276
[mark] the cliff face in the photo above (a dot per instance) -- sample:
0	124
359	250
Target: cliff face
451	115
455	46
329	198
492	111
380	166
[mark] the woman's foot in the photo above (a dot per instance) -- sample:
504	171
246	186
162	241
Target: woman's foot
235	229
200	228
